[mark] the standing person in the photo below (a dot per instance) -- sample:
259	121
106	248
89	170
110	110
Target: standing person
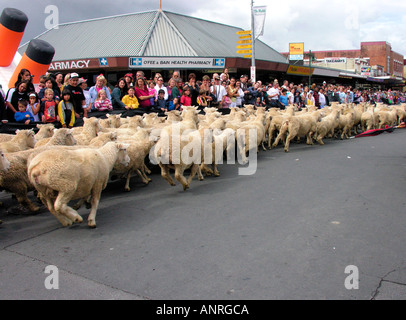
273	95
142	94
161	103
66	110
160	85
171	86
22	115
186	99
78	97
175	75
322	98
130	101
25	75
128	77
59	81
342	95
101	84
310	99
283	98
34	106
41	84
225	76
176	90
244	87
194	88
82	83
201	99
118	94
102	102
50	84
14	95
152	90
316	96
218	91
206	87
240	96
232	92
49	108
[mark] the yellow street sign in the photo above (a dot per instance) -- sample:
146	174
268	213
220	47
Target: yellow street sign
248	56
244	41
245	37
244	32
245	46
244	51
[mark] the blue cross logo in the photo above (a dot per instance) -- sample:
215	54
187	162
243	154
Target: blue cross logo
219	62
103	62
136	61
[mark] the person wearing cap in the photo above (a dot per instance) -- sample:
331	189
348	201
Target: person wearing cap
128	77
78	97
218	91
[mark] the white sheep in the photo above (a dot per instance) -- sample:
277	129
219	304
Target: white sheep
60	177
91	128
16	181
23	140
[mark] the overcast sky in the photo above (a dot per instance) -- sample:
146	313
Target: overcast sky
320	24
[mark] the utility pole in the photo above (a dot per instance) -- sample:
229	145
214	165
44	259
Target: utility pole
253	41
311	57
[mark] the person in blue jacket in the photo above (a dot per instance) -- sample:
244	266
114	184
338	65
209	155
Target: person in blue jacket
22	115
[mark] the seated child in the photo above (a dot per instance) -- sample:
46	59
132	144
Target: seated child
201	99
102	103
48	108
66	110
130	100
22	115
160	104
175	104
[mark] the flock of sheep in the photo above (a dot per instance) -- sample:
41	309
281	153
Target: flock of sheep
61	165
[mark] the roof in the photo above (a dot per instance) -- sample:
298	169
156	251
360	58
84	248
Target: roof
148	34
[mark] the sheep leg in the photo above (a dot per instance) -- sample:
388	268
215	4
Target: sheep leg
96	193
288	139
65	221
127	182
144	171
193	170
215	170
181	178
22	199
165	174
61	207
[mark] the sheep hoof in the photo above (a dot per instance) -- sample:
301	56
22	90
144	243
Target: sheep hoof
128	189
34	208
217	174
286	150
91	224
185	187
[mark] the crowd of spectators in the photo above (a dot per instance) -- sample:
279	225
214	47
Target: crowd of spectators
63	99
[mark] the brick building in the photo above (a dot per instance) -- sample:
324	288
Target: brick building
379	54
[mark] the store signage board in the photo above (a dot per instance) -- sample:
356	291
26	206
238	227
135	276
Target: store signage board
176	62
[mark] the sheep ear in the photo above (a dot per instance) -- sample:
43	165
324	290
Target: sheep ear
55	130
70	131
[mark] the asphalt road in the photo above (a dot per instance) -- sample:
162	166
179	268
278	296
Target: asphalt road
287	232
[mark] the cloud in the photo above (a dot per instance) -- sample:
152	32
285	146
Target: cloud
320	24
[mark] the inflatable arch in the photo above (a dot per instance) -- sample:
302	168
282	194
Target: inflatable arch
37	58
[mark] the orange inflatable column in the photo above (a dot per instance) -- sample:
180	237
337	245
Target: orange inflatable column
12	26
36	59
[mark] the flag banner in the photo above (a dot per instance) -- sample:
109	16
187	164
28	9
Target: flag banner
259	20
